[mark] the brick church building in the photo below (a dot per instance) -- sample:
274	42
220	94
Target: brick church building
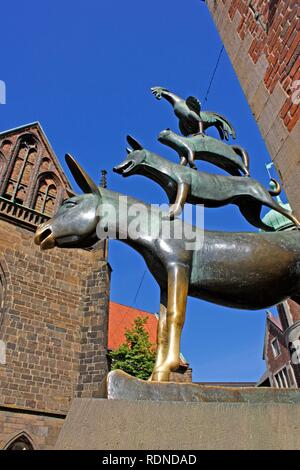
280	372
53	307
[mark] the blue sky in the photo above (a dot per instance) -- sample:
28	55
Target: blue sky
84	70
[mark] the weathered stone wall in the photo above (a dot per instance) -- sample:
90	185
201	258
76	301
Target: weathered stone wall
182	374
93	361
54	323
123	424
262	39
41	430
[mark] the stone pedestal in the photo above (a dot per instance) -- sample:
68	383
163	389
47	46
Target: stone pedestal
133	414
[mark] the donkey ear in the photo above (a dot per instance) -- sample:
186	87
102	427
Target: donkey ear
134	143
81	177
70	192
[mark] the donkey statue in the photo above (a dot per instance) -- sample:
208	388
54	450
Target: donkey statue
185	185
239	270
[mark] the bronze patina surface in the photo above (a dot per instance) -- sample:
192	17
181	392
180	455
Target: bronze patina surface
231	158
184	184
239	270
118	385
192	119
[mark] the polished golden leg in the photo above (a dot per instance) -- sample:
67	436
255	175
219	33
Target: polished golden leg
162	333
178	278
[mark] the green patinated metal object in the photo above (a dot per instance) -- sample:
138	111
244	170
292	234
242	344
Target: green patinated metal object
276	220
231	158
191	117
183	184
239	270
118	385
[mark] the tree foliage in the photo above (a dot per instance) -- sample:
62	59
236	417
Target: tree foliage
136	355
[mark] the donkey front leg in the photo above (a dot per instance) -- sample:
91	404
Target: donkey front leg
162	332
178	281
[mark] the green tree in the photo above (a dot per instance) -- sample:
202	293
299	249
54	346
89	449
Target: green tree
136	355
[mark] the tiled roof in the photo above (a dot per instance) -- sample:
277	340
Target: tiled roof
121	318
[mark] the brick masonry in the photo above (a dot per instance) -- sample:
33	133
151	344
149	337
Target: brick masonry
30	173
42	431
53	304
275	363
262	39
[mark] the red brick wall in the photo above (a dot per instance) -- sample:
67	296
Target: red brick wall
274	364
262	39
277	35
28	166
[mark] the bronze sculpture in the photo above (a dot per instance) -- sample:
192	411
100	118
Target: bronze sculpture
240	270
185	185
231	158
192	119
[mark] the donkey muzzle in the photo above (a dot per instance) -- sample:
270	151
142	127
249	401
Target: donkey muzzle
44	237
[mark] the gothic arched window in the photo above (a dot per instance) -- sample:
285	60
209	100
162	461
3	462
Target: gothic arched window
46	195
20	173
20	442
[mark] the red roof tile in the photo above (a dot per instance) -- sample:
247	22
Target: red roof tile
121	318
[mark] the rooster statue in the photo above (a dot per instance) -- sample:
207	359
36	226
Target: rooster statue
192	120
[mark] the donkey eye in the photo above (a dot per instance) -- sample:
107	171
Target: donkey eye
69	204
